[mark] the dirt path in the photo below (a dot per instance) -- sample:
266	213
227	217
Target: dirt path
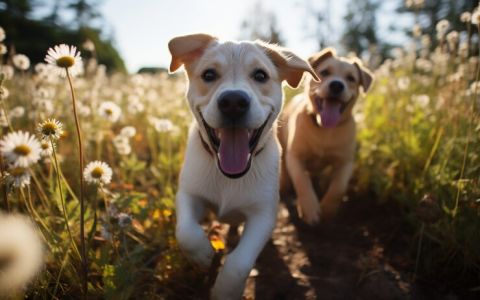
362	254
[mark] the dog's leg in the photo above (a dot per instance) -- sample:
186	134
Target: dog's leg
231	280
285	181
307	202
190	235
336	189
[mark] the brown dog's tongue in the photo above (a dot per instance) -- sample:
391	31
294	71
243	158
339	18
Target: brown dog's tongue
234	150
330	113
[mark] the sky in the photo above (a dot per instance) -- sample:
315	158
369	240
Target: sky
142	28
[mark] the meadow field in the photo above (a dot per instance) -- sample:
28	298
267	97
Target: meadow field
418	150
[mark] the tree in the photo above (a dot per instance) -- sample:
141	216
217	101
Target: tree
261	24
428	13
361	26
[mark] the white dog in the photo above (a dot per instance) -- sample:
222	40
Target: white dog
232	157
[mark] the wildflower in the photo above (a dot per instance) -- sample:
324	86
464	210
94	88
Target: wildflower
414	3
422	100
2	34
403	83
417	30
442	27
3	119
64	57
128	131
47	148
110	111
50	129
452	39
18	177
88	45
3	93
20	148
476	16
466	17
3	49
122	145
162	125
21	62
7	71
124	220
21	253
97	172
17	112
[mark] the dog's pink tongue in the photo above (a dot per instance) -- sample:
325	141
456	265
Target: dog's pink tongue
234	150
330	113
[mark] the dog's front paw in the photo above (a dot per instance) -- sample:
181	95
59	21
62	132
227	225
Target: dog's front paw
193	241
309	210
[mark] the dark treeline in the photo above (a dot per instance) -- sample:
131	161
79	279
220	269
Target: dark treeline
32	35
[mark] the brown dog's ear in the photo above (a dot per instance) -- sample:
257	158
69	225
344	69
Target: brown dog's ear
317	58
187	47
290	66
366	77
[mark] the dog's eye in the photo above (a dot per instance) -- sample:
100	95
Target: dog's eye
324	73
209	75
351	78
260	75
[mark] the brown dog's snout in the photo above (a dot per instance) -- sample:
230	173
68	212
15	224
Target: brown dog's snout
336	87
234	104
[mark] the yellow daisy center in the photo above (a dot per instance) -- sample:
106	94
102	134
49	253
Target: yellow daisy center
97	172
22	150
49	128
108	111
45	146
66	61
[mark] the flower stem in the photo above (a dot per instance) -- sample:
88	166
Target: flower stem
60	190
82	190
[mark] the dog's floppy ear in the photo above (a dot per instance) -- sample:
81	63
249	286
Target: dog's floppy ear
187	47
366	77
317	58
290	66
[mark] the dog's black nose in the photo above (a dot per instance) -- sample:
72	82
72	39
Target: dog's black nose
336	87
234	104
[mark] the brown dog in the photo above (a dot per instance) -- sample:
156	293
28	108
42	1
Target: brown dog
317	130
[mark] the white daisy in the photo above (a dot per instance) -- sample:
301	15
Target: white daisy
110	111
47	148
50	129
18	177
21	62
20	149
97	172
162	125
64	57
21	253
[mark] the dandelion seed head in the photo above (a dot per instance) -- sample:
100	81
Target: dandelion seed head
21	253
4	93
466	17
476	16
21	62
7	71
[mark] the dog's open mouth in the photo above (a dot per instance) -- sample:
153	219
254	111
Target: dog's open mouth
330	110
234	147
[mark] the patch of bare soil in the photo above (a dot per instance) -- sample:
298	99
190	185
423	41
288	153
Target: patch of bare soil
362	254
